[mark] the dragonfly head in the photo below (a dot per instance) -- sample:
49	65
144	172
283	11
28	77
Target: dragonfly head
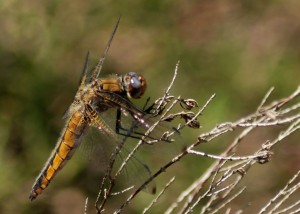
134	84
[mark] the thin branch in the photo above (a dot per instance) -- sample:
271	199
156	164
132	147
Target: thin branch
159	195
280	193
265	98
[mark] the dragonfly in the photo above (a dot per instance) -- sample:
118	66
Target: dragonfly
94	96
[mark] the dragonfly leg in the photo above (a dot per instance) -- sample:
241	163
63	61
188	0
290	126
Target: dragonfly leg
119	128
129	132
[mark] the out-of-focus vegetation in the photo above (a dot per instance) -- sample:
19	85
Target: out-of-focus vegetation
236	49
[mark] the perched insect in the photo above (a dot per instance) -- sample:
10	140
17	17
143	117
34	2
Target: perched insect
94	95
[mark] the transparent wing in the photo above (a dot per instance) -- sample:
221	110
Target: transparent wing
108	154
96	71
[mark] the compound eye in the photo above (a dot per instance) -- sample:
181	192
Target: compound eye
135	85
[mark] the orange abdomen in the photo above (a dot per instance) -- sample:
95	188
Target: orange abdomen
62	152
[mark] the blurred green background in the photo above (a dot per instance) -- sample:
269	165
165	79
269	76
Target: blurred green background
236	49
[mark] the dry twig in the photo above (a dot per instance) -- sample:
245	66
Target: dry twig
218	186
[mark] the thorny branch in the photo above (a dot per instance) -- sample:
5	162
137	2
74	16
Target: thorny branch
218	186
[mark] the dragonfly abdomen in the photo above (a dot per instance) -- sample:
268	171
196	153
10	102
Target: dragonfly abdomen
63	152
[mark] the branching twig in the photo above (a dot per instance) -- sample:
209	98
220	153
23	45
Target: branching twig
216	188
